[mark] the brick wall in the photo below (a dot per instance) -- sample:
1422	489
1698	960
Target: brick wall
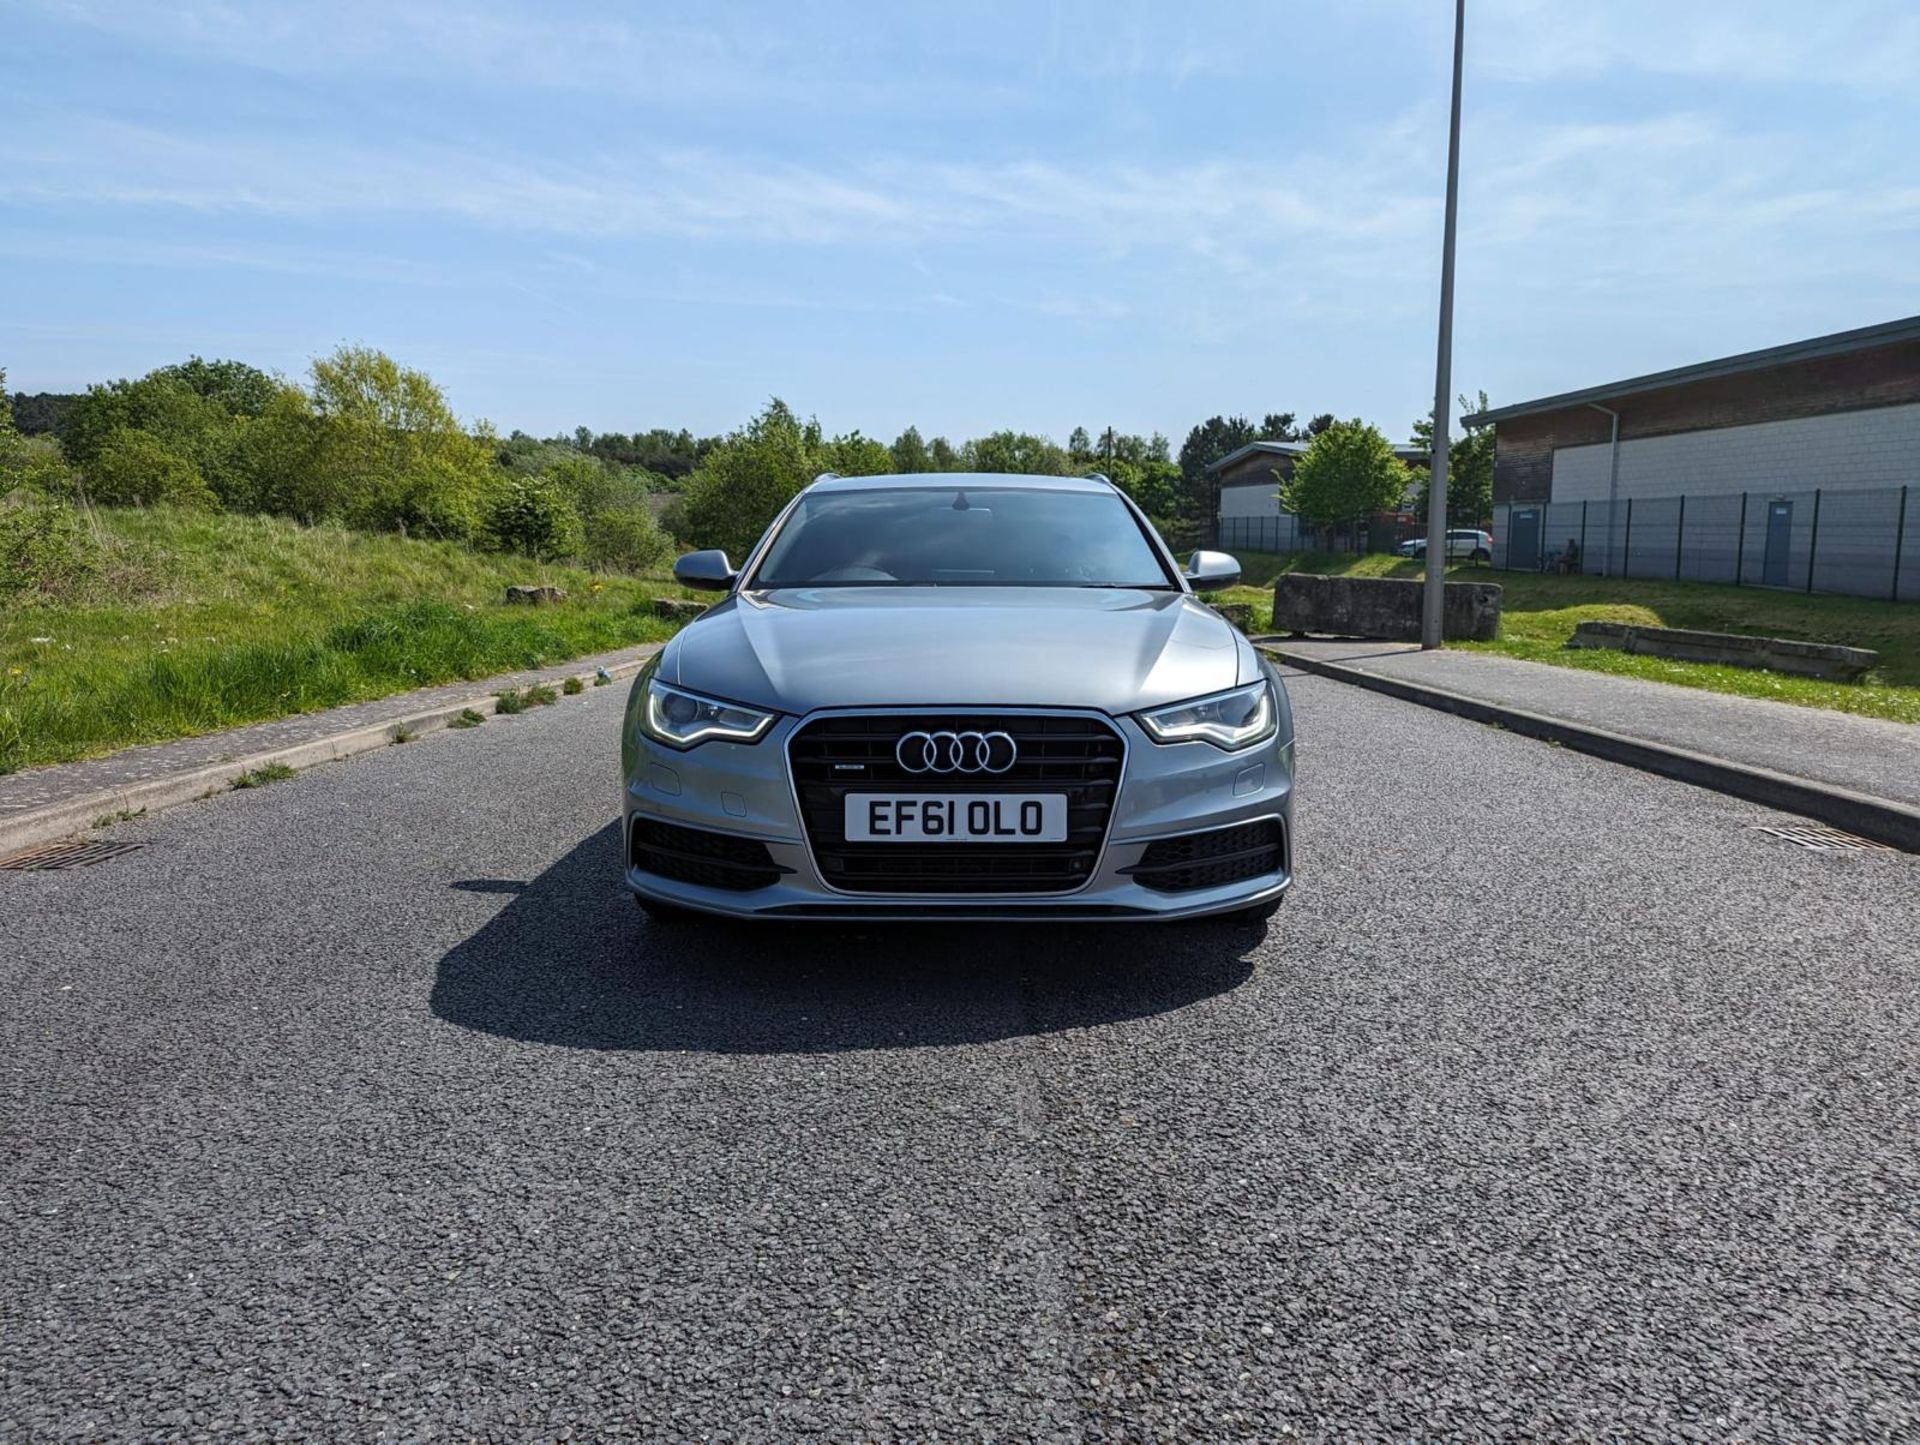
1887	376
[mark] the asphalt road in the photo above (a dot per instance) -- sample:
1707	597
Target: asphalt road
1556	1103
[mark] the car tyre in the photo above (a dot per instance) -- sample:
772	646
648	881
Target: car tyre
1481	554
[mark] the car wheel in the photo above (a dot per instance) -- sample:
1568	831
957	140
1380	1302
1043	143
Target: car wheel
666	913
1481	554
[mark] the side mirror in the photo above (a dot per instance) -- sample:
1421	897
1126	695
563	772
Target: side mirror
708	571
1212	571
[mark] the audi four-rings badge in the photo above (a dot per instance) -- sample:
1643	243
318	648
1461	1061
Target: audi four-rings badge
946	752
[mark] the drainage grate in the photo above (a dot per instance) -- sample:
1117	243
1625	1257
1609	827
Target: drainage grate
64	855
1823	839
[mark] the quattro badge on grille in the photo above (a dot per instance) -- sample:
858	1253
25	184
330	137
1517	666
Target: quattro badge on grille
951	752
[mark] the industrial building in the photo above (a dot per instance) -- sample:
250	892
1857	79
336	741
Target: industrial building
1791	466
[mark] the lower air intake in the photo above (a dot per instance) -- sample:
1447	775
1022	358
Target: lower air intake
710	860
1214	858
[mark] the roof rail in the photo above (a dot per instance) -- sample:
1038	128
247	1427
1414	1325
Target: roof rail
1100	477
827	477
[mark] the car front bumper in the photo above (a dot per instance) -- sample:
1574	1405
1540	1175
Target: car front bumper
1166	790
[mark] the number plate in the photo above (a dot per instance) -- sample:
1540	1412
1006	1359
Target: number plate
956	817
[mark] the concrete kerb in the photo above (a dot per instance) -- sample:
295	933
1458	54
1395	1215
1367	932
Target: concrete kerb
155	795
1868	817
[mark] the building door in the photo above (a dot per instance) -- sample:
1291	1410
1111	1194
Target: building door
1773	567
1523	540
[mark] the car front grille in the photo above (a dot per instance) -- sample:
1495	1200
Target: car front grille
693	855
1080	757
1213	858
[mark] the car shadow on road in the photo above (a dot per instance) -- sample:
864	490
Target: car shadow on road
571	961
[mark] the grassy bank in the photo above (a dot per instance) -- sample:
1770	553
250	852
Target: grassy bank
1540	612
201	622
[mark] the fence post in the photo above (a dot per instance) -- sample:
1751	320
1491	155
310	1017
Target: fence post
1626	550
1740	545
1813	542
1679	536
1583	534
1899	545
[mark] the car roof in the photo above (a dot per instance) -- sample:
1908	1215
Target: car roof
935	480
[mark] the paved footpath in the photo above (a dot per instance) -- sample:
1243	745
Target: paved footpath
1866	755
36	788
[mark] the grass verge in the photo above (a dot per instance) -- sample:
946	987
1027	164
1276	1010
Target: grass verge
208	621
1540	611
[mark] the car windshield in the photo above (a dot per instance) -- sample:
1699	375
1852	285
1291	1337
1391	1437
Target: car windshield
961	536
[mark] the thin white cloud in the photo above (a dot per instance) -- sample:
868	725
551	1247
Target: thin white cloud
682	192
1853	43
714	56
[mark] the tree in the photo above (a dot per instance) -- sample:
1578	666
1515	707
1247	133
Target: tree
1153	485
391	454
1317	425
38	413
1469	469
854	455
910	453
195	426
1017	452
1078	445
1214	438
233	386
1278	426
743	482
944	457
1347	472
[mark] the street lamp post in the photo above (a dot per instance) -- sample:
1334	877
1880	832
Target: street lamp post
1433	602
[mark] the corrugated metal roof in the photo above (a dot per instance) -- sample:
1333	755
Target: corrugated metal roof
1405	451
1840	343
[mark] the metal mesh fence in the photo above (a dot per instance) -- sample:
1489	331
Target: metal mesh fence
1861	542
1262	534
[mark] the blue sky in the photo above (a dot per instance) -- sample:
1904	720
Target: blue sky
964	216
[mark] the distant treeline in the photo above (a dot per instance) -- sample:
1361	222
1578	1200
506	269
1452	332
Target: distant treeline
365	441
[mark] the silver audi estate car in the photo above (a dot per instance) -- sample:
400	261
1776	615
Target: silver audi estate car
958	696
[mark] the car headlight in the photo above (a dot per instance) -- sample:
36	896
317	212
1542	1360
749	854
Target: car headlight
683	719
1230	720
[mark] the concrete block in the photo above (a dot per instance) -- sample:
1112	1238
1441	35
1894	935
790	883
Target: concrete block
1824	660
1383	607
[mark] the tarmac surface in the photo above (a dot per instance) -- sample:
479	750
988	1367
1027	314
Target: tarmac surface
1557	1102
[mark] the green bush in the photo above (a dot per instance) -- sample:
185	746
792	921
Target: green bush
33	465
625	539
373	445
45	546
432	494
532	516
134	468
